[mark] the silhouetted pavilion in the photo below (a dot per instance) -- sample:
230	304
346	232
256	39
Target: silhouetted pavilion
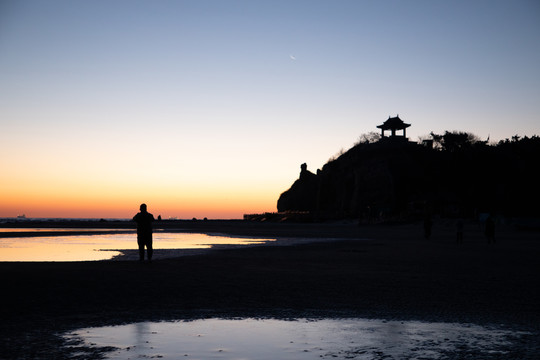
393	124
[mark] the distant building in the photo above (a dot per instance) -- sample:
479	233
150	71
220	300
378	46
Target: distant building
394	124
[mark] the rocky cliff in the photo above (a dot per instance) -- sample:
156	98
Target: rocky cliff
400	178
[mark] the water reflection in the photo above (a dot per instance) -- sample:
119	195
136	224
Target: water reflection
60	230
302	339
105	246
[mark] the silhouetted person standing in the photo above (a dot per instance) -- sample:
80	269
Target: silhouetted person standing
144	232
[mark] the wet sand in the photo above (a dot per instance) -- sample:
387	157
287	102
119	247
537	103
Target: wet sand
396	275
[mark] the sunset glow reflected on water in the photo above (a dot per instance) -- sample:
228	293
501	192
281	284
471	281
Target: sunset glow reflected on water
59	230
103	247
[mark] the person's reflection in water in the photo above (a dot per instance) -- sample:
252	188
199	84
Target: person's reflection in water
144	232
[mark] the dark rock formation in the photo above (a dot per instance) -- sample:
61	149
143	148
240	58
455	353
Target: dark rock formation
302	196
401	178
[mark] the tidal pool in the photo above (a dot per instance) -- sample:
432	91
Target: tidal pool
90	247
295	340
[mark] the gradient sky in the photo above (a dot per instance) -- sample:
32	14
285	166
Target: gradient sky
208	108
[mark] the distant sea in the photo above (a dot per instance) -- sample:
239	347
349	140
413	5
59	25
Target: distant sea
26	219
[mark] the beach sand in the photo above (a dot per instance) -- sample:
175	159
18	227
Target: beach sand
378	272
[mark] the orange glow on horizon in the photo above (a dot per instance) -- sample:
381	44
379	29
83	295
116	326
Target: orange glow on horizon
84	192
104	210
232	205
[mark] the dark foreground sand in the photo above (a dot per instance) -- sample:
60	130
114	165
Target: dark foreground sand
395	275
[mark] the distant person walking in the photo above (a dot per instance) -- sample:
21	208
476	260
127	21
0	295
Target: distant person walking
489	230
144	232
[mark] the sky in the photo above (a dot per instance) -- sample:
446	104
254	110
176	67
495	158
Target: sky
208	108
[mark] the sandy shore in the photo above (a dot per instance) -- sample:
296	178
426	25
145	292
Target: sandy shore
396	274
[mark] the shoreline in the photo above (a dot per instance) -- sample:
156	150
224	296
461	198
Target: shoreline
397	274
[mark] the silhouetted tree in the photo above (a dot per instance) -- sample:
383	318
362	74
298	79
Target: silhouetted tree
455	140
369	138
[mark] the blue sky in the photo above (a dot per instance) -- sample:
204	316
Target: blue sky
240	93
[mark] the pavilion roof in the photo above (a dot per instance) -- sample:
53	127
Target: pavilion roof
394	123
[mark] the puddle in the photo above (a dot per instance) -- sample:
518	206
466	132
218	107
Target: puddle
300	339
